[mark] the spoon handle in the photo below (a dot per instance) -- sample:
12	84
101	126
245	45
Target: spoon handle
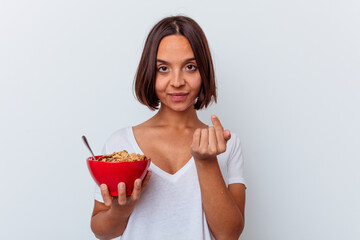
88	146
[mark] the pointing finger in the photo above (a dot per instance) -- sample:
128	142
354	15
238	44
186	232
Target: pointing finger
216	122
219	131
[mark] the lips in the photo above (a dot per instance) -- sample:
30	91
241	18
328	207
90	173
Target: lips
178	97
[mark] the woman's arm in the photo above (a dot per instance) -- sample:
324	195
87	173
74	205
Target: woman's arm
109	219
223	207
105	223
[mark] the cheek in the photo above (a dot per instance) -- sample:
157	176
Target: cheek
196	84
160	85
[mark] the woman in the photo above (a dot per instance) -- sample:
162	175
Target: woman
196	190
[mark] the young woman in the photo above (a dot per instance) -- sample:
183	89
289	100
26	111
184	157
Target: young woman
195	188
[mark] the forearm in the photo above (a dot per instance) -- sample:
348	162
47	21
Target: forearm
223	215
108	225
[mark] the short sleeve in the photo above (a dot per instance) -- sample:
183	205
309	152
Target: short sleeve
97	194
235	166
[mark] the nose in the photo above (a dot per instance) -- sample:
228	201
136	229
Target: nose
177	79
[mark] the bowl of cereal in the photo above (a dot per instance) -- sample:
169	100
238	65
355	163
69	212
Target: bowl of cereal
112	169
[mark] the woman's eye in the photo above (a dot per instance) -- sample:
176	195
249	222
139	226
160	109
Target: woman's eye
191	67
162	69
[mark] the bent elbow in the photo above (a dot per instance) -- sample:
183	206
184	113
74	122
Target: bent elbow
234	233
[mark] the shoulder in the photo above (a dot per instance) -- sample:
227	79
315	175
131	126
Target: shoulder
120	133
231	161
120	138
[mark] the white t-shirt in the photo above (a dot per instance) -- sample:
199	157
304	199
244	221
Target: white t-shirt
170	206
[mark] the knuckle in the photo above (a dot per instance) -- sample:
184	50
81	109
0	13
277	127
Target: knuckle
135	197
194	148
103	194
138	183
212	150
203	151
107	202
122	201
218	128
222	149
121	187
103	189
136	190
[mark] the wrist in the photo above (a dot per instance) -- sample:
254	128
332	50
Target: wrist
119	214
205	161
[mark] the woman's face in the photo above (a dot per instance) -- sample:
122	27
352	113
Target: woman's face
178	80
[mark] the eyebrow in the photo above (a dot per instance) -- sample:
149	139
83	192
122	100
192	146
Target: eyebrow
163	61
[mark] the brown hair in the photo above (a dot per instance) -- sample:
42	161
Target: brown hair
146	72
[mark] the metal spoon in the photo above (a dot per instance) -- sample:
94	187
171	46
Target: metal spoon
88	146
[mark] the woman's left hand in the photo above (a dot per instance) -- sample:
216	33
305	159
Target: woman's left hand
209	142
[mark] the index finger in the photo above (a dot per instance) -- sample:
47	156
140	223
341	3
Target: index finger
219	130
216	122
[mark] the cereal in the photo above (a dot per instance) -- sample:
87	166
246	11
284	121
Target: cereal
122	156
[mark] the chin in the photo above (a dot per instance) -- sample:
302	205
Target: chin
180	107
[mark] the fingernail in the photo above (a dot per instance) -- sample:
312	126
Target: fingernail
103	187
213	116
122	185
138	183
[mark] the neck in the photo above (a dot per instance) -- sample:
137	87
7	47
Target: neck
180	120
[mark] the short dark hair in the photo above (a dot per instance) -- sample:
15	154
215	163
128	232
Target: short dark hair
146	72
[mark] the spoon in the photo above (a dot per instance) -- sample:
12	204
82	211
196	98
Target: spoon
88	146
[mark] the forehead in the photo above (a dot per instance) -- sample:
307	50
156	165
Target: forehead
174	47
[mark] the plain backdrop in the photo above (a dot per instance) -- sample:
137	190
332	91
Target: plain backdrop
288	83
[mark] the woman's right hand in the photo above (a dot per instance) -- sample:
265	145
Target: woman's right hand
109	219
124	204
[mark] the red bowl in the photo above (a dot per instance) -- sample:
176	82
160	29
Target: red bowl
112	173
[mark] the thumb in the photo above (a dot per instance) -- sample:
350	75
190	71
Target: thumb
227	135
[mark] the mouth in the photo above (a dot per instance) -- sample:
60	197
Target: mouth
178	97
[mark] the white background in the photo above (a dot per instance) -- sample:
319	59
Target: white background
288	80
